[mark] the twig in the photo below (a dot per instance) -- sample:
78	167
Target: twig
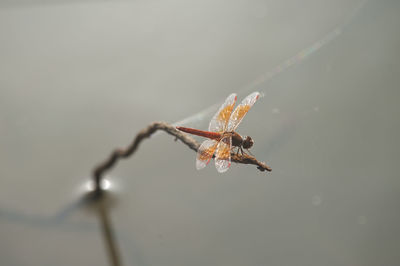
248	159
117	154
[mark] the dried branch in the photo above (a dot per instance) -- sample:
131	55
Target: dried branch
248	159
117	154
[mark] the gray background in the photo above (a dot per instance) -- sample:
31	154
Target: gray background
79	78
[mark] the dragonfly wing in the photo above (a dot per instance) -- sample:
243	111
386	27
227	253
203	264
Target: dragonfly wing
223	154
220	120
241	110
205	153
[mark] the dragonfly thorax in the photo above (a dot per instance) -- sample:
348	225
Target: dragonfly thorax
238	141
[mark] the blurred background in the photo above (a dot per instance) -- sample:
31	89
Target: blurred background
80	78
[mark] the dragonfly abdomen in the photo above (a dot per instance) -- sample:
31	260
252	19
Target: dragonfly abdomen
201	133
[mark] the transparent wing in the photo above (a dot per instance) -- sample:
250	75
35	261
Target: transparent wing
220	120
241	110
223	154
205	153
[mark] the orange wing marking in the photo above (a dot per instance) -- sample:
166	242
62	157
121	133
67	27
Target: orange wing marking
205	153
242	110
223	154
220	120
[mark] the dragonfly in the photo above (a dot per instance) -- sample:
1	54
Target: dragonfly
221	135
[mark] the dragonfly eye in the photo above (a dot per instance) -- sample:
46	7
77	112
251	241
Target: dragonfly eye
248	143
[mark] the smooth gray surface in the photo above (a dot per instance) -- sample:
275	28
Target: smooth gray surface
78	79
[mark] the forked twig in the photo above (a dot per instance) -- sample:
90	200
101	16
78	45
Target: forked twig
117	154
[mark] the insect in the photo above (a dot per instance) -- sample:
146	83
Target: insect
221	133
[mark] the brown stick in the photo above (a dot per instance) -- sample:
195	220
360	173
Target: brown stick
117	154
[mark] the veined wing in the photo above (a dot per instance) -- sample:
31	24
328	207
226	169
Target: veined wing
205	153
220	120
223	154
241	110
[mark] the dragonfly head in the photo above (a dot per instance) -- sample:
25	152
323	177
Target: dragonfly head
247	143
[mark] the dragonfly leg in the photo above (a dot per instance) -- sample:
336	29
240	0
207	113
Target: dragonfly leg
249	152
237	150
